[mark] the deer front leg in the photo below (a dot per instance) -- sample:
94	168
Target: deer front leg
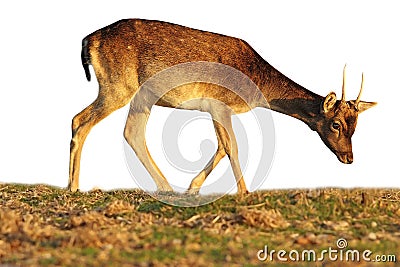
198	181
135	135
223	127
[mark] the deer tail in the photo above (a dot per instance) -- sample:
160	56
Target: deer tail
85	57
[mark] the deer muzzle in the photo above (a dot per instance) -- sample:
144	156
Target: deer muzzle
346	158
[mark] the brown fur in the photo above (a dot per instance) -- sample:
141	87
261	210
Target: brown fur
128	53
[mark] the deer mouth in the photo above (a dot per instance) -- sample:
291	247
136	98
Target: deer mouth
346	158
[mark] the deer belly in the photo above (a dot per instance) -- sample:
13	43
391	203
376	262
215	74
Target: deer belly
203	96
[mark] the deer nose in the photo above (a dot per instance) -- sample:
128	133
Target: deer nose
346	158
349	158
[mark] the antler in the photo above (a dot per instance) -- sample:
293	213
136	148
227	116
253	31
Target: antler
343	86
361	89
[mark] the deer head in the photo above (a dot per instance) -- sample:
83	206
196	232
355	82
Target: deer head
338	119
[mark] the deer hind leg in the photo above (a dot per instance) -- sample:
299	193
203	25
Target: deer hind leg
135	135
83	122
223	127
198	181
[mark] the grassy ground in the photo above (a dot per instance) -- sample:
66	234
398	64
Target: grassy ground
47	226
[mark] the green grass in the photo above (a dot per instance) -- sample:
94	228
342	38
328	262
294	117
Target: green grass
47	226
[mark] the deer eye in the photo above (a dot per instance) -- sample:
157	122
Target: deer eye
335	126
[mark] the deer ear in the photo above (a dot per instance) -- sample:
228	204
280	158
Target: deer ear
363	106
329	102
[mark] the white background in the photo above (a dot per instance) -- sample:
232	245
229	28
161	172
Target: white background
43	85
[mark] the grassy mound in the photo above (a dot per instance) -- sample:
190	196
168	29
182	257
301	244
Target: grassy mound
47	226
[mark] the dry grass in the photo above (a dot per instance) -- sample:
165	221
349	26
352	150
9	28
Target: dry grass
47	226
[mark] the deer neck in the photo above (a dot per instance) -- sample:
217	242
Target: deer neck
285	96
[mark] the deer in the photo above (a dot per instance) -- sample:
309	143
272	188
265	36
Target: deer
127	53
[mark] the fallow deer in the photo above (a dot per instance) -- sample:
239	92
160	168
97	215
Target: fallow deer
126	54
